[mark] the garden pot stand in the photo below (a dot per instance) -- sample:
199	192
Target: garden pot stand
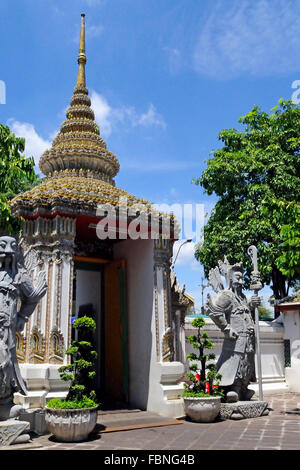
244	410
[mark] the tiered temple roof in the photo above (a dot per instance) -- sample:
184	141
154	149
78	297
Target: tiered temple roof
79	169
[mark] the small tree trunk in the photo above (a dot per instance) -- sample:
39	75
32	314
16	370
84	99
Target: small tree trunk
203	366
279	284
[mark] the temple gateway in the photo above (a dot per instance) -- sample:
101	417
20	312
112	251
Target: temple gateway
124	283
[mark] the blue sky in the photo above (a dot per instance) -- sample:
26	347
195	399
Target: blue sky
165	77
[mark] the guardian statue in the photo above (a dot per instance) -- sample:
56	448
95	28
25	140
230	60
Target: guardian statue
18	299
234	315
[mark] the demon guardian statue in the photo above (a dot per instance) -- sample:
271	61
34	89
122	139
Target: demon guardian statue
233	314
18	299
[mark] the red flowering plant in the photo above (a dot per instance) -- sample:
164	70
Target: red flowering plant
203	379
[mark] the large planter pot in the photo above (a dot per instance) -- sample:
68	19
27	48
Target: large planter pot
202	409
69	425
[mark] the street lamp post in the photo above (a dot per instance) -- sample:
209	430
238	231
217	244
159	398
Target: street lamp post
186	241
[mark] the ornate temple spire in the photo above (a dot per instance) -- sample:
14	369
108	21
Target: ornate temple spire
79	169
78	146
81	57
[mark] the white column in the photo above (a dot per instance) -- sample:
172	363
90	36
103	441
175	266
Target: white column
291	321
165	392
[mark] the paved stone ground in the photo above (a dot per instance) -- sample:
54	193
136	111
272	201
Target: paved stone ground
278	431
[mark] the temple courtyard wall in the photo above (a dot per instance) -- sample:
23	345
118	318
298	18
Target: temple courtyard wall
280	341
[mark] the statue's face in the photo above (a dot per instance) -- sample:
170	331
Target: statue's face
8	248
237	279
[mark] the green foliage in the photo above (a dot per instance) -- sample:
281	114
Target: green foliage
16	176
209	375
190	393
84	324
256	175
81	370
60	404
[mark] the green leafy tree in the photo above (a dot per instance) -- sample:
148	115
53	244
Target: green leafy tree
256	176
208	372
16	176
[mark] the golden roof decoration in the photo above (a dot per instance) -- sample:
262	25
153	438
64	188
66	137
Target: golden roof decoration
78	186
78	192
78	144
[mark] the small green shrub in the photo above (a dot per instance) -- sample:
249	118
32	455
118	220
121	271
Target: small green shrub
81	370
204	383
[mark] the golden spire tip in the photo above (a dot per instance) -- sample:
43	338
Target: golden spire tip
81	56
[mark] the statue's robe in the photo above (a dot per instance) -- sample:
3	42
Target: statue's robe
13	287
236	361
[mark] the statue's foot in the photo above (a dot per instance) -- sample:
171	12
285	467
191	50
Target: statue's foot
22	439
15	411
248	394
232	397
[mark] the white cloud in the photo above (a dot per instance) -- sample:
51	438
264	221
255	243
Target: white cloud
150	118
93	31
35	145
174	59
103	113
109	117
91	3
258	38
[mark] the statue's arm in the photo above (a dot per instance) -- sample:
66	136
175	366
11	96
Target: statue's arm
216	309
30	295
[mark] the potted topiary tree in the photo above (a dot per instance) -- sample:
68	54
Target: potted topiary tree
73	418
202	396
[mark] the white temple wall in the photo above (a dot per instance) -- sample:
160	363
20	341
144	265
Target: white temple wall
291	319
152	377
138	255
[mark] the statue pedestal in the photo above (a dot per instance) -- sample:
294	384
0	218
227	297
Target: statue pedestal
36	420
244	410
12	432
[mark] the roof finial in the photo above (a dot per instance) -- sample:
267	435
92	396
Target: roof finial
81	57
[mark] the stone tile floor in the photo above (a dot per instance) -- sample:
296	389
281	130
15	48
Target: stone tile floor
277	431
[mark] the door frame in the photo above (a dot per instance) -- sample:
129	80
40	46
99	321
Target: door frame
98	264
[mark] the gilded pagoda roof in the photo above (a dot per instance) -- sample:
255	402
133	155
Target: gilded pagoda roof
79	168
73	192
